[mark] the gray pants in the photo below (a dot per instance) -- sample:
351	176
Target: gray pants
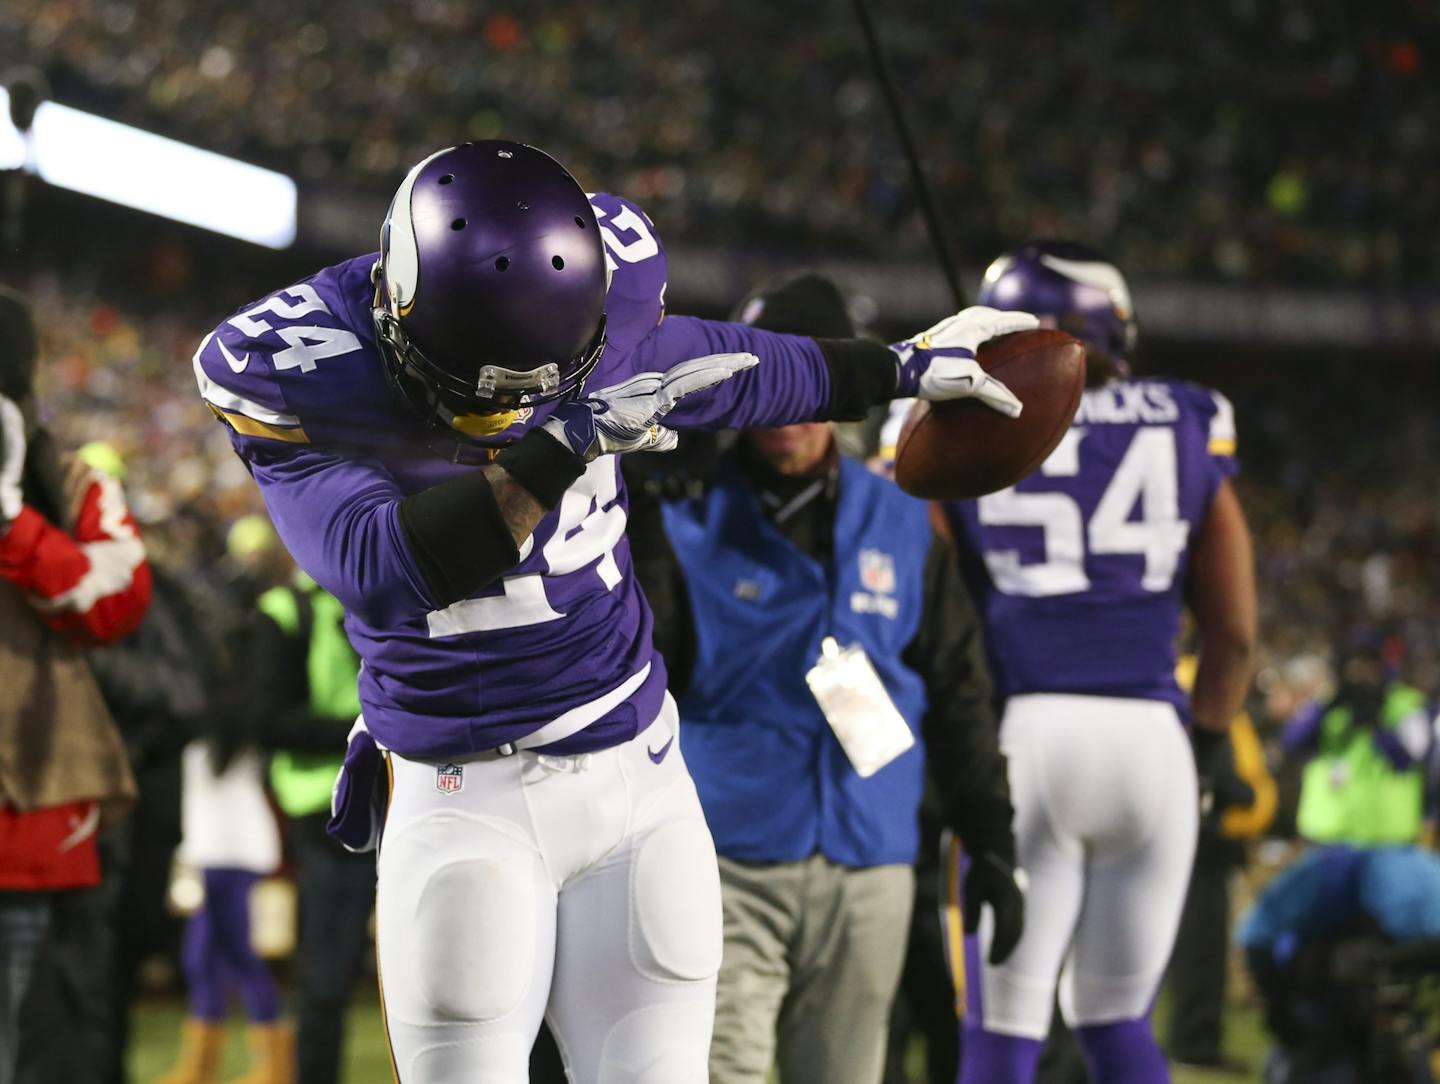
813	953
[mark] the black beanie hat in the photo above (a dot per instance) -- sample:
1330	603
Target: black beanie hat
17	346
803	304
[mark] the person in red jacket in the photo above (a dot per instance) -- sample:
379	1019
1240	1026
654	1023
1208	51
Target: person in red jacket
73	575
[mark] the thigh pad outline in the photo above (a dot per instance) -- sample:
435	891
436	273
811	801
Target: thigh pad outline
675	922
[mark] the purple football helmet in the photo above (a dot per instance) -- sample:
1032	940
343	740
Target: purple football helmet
490	287
1068	286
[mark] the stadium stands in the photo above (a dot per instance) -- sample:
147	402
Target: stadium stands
1206	149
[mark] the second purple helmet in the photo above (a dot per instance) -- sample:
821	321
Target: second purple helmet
1068	286
490	288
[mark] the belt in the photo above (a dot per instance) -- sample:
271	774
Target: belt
572	721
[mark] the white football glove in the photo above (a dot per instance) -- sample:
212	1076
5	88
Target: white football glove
626	416
940	363
12	461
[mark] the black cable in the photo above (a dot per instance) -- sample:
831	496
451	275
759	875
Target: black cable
918	180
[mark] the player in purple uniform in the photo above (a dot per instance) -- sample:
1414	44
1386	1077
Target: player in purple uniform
432	430
1084	568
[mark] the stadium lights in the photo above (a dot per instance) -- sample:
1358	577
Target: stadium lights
112	161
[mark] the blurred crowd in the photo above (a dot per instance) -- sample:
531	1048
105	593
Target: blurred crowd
1346	528
125	377
1206	148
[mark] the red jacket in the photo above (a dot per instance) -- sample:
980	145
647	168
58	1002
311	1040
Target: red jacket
90	586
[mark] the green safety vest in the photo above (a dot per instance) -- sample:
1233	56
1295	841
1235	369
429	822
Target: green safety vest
302	781
1350	792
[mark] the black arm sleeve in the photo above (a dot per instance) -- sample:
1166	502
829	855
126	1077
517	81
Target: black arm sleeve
456	529
458	536
961	736
863	374
544	466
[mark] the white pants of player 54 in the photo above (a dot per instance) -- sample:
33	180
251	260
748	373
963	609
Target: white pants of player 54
1106	810
582	889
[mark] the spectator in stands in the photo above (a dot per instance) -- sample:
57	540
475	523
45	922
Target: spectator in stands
1246	141
804	568
73	575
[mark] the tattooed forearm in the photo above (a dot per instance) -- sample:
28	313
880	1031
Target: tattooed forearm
518	507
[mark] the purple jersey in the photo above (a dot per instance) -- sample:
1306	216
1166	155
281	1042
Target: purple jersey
1083	564
299	380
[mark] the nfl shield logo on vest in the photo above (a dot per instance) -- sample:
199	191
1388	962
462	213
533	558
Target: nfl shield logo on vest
449	778
877	571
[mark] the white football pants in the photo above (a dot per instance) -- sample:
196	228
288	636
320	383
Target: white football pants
582	889
1106	811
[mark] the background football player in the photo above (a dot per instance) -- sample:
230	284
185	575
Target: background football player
416	424
1082	570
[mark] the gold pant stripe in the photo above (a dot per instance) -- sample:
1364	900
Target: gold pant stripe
955	925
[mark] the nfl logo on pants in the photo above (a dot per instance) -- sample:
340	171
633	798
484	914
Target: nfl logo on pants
449	778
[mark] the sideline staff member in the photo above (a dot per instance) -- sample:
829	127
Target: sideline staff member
789	546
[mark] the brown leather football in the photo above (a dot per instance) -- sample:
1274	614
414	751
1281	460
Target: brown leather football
961	448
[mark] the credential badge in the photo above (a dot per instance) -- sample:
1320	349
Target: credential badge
748	590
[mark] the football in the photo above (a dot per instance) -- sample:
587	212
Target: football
961	448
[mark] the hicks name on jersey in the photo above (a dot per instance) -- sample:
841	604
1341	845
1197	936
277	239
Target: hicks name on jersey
1130	403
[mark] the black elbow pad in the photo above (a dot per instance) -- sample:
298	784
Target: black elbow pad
458	536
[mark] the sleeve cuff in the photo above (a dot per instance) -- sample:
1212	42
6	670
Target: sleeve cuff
544	466
863	374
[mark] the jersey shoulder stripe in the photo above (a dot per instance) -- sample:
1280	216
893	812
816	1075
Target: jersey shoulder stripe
1215	414
1223	438
245	415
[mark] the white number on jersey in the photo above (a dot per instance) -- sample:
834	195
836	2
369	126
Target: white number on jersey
1147	476
309	302
305	345
309	344
641	248
586	533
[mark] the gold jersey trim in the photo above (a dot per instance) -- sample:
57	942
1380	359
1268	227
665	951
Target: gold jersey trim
249	427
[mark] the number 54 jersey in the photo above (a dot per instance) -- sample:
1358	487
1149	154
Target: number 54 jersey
564	638
1082	566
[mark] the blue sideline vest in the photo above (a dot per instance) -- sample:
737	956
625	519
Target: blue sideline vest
773	780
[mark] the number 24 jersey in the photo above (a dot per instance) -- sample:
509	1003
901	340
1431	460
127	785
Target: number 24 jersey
565	636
